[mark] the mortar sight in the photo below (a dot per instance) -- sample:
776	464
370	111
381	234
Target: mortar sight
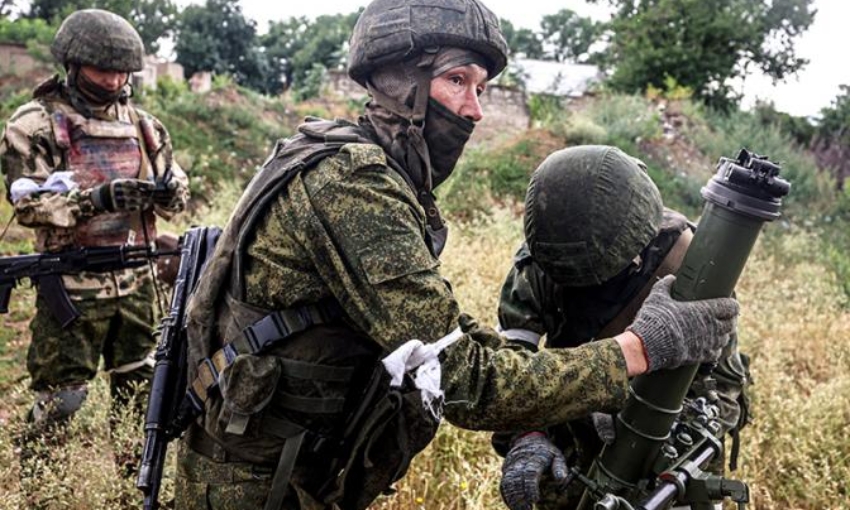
749	184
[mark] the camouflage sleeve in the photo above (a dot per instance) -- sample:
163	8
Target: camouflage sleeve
365	234
516	389
520	312
28	151
162	158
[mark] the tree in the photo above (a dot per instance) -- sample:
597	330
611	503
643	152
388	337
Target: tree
6	7
153	19
568	36
297	45
704	45
831	144
522	41
217	37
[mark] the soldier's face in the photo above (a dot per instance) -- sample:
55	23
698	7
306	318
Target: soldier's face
458	89
106	79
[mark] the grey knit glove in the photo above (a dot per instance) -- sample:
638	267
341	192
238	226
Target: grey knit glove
123	195
676	333
529	457
604	425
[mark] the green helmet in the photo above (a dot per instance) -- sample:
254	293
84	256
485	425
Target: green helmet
94	37
390	31
589	212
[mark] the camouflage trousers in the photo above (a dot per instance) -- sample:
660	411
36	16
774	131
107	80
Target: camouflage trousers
119	329
205	484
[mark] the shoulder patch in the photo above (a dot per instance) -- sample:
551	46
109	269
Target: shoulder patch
364	155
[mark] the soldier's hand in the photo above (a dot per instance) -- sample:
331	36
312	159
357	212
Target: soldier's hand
169	195
530	456
123	195
604	425
676	333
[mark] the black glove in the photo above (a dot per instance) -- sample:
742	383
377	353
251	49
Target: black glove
676	333
529	457
168	195
123	195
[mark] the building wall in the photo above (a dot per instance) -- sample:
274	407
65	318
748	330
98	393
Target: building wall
14	58
505	115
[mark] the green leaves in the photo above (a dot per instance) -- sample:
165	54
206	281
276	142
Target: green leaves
704	45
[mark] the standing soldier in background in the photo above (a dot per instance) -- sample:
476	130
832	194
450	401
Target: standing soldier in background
597	238
80	166
330	263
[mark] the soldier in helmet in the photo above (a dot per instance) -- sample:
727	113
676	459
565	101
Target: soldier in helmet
80	165
324	345
597	237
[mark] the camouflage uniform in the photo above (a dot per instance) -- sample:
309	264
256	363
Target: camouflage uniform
60	131
531	306
595	297
350	229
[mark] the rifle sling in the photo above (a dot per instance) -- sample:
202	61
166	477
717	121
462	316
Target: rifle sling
283	472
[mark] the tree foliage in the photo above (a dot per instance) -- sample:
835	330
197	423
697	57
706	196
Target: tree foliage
154	19
297	45
26	31
704	45
831	144
835	119
217	37
568	36
522	42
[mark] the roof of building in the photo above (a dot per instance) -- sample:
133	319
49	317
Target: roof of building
557	78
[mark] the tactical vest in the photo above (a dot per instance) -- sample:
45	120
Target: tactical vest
270	381
98	151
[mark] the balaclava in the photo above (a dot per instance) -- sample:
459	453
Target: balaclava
86	96
424	138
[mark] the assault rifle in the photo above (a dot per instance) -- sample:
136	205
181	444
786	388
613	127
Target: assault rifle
662	440
167	414
46	270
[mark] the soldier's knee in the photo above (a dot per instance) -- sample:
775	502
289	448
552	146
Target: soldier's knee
58	406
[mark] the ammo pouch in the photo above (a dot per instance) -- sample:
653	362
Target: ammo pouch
388	428
321	400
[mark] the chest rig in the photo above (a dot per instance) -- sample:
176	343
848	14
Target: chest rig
98	151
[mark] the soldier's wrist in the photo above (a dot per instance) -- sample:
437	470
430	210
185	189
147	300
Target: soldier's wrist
634	352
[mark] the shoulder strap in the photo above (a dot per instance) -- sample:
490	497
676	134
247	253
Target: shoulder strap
669	265
224	273
146	167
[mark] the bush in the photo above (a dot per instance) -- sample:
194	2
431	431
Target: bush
812	192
